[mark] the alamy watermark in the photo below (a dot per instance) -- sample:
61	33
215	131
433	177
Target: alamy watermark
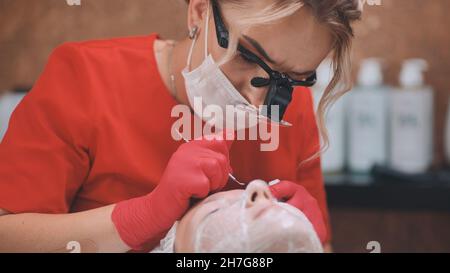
73	247
73	2
363	3
374	247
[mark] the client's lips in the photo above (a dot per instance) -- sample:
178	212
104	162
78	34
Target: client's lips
263	210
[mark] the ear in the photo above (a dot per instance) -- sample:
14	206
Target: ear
197	13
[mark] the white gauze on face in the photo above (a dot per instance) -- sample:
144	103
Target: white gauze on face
233	228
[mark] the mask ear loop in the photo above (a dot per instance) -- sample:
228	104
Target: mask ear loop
206	31
193	35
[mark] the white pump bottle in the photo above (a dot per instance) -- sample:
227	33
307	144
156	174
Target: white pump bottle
367	119
412	120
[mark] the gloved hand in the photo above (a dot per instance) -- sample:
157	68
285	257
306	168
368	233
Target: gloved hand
195	169
297	196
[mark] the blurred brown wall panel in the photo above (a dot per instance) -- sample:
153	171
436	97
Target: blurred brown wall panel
29	30
396	30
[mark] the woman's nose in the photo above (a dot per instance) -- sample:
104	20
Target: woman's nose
256	192
255	95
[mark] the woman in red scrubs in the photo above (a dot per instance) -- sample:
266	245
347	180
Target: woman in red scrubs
89	155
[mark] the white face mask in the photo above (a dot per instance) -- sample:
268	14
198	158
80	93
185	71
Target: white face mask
208	83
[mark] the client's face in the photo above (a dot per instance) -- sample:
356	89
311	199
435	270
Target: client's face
249	220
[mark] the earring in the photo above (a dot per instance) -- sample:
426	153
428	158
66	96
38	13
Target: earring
193	32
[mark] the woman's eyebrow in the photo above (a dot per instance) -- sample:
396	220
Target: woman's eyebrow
261	51
211	198
259	48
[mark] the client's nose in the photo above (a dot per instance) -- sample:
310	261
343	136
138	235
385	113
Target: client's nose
257	191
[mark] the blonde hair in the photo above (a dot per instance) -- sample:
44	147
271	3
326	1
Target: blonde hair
337	15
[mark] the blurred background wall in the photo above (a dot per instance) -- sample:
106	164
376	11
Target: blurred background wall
394	31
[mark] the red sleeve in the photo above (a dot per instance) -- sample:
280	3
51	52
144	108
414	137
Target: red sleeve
309	174
43	156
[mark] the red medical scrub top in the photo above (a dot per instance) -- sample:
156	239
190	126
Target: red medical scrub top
96	129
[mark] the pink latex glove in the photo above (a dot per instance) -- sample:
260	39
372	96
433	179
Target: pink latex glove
196	169
297	196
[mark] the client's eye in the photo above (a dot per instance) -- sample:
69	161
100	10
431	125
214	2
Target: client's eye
211	213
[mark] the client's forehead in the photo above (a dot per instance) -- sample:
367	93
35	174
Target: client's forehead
223	195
